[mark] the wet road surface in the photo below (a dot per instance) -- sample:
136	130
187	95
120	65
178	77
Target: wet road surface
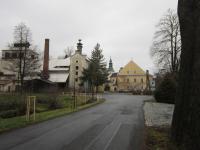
117	124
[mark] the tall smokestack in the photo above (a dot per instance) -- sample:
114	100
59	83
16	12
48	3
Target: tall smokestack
45	73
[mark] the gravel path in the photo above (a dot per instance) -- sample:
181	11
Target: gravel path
158	114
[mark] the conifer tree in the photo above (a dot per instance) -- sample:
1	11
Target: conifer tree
96	73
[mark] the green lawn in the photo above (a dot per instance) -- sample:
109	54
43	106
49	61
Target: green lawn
20	121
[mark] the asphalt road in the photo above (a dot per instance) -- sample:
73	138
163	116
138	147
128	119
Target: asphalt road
116	124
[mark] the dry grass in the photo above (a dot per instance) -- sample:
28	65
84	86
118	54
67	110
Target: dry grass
158	139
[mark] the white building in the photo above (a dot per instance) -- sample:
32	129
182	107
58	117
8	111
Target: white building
78	62
9	71
60	73
64	72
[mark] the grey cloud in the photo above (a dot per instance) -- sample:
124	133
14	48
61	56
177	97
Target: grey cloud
124	28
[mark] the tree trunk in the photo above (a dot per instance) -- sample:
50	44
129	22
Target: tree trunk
92	92
186	119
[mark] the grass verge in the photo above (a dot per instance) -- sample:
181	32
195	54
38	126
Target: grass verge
19	122
158	139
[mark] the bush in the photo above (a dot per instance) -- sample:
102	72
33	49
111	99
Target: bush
53	101
44	98
9	113
56	103
147	92
136	92
166	90
12	102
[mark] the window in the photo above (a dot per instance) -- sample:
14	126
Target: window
76	72
76	79
127	80
7	55
32	57
134	80
76	67
22	55
14	55
142	81
76	61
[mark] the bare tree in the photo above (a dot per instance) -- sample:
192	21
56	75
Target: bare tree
26	63
69	51
166	46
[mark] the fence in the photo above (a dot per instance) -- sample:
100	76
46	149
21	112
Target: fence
79	99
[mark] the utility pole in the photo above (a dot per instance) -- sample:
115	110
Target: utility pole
147	81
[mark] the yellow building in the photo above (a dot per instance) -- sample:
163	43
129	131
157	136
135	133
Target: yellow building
132	78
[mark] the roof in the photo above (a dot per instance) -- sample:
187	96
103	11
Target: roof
4	82
113	75
39	79
132	69
58	77
58	64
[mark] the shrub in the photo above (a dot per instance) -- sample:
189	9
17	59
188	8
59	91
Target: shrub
166	90
12	102
136	92
9	113
44	98
56	103
147	92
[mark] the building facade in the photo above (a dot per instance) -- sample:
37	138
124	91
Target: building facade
131	77
58	73
9	68
78	62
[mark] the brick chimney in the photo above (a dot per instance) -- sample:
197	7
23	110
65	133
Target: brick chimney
45	73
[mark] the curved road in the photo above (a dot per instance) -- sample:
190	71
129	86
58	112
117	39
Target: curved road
116	124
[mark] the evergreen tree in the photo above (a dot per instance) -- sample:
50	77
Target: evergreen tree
96	73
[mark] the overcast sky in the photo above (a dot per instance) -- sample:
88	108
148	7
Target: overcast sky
124	28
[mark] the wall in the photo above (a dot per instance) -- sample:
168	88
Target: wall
76	60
